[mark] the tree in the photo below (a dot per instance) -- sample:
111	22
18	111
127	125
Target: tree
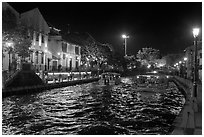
171	59
148	56
93	53
16	34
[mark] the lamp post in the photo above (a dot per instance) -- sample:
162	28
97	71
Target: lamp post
186	65
180	65
195	34
125	37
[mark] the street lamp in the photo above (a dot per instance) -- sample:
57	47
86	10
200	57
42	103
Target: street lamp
125	37
180	65
195	35
185	61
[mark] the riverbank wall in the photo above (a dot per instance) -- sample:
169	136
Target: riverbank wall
39	88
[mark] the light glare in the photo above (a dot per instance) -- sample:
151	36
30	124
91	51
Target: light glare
125	36
195	32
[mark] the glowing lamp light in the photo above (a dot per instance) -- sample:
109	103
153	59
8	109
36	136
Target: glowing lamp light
185	59
9	44
125	36
195	32
58	53
148	66
154	72
180	62
45	50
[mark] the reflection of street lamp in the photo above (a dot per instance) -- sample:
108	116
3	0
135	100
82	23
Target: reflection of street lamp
125	37
9	45
46	59
195	34
67	62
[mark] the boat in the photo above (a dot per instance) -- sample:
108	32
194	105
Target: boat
110	78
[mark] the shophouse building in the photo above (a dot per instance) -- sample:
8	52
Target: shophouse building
190	54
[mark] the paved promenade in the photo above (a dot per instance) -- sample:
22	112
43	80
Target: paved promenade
190	120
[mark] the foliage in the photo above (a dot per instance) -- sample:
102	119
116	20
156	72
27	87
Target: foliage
171	59
16	34
148	56
93	53
132	62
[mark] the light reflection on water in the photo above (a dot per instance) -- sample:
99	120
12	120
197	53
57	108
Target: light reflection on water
92	109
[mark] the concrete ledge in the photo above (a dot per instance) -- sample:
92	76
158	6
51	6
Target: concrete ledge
40	88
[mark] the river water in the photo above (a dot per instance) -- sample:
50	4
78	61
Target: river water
93	109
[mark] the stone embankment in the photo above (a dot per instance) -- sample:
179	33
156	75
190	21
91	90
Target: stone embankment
27	81
38	88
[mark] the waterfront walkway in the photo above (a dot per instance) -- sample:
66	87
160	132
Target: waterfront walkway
191	125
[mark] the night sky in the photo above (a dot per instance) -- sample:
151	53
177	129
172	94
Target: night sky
166	26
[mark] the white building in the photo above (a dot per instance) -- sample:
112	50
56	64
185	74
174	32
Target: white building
64	53
39	30
49	49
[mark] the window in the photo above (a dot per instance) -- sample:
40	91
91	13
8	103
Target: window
77	50
43	38
71	48
37	36
77	64
36	57
64	47
42	58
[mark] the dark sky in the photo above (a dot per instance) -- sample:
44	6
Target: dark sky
166	26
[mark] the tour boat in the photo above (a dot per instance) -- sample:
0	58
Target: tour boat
109	78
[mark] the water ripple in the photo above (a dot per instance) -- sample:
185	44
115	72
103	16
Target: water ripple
92	109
